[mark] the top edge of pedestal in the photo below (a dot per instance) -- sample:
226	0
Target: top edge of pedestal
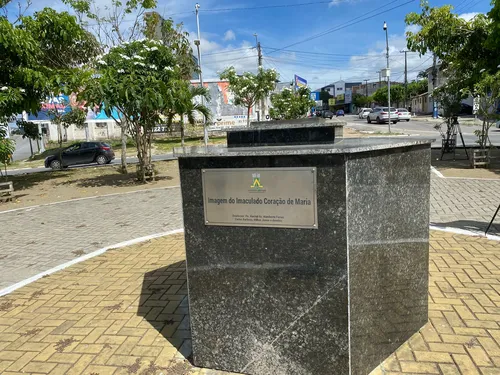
345	146
288	124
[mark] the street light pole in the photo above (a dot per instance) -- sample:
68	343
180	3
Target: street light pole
388	76
197	42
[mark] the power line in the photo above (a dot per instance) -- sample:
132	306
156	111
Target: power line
256	7
227	52
351	22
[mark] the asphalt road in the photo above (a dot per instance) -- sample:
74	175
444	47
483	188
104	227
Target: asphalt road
424	128
130	160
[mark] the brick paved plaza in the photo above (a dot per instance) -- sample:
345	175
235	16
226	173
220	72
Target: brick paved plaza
125	312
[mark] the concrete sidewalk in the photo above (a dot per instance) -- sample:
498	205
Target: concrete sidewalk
125	312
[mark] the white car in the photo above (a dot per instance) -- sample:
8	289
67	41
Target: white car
404	114
363	113
381	115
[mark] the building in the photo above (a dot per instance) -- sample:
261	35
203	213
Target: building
342	92
424	104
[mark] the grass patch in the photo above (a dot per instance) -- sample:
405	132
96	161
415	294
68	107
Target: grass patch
167	144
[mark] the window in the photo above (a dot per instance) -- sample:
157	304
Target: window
88	145
101	125
74	147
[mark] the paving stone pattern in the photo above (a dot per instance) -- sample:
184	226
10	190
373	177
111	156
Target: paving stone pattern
465	203
34	240
125	312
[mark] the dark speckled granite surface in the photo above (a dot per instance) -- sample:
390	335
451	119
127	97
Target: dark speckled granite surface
335	300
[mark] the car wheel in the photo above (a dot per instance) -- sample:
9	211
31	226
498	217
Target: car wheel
394	122
408	120
369	120
378	120
101	160
55	164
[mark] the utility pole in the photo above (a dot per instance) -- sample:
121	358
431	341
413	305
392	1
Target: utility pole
388	77
262	104
406	77
434	84
366	87
197	42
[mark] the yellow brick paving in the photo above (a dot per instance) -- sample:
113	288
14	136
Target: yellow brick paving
125	312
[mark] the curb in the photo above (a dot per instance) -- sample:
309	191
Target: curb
93	254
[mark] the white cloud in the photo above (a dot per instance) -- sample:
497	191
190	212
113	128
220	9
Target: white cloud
334	3
229	35
468	16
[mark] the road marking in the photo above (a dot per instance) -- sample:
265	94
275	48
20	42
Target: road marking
30	208
135	241
437	173
464	232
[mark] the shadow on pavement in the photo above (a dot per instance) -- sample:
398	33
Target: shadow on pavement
461	161
115	180
26	181
164	304
473	225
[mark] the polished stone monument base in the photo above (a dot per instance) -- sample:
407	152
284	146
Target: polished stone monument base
337	299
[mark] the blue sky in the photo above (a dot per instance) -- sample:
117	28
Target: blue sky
353	53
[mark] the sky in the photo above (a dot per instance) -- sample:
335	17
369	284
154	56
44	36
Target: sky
322	41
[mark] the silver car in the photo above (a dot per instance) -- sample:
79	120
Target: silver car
381	115
404	114
363	113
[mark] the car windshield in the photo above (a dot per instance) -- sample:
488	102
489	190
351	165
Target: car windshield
386	108
402	110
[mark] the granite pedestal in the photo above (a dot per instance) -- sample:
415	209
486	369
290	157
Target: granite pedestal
337	298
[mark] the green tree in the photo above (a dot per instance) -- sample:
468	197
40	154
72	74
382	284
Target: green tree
30	130
418	87
7	148
397	95
185	105
114	23
41	55
136	79
289	105
488	92
361	101
249	88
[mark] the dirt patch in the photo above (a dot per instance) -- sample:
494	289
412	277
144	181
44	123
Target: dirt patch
72	183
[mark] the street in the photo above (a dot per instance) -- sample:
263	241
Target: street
423	128
130	160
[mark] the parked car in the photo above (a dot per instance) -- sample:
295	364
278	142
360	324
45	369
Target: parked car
340	112
404	114
381	115
318	112
327	114
363	113
81	153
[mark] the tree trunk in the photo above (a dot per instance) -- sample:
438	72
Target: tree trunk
483	135
31	147
38	144
124	150
59	133
248	115
182	130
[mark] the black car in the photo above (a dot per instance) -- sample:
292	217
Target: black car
327	114
81	153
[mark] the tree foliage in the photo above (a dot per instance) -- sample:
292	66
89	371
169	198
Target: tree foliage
7	147
419	87
137	80
116	22
289	105
174	37
397	95
186	104
361	101
41	55
30	129
249	88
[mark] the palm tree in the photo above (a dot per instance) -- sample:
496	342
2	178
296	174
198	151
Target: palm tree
184	105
